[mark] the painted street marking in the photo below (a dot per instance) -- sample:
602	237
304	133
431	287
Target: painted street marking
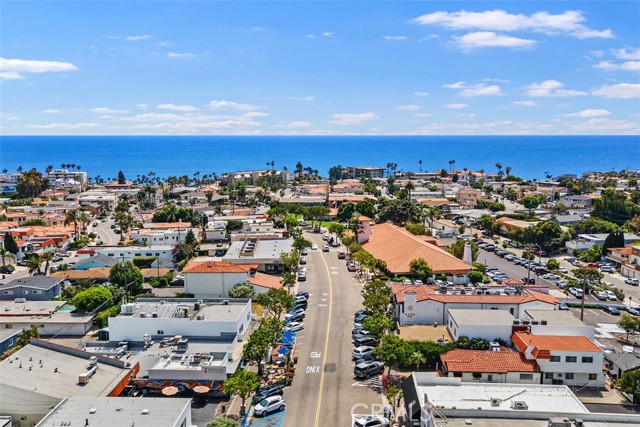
323	299
313	369
333	268
373	382
315	354
324	294
323	305
335	272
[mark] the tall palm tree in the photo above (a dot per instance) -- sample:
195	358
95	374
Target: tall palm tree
84	219
19	169
3	253
420	163
47	257
48	169
409	187
72	218
508	170
34	262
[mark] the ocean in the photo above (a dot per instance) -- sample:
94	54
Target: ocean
528	156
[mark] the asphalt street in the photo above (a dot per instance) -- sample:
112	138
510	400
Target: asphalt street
324	391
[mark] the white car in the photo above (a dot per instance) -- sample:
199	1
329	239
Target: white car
269	404
325	248
611	296
551	276
632	281
371	421
601	295
358	352
563	270
314	247
294	327
562	284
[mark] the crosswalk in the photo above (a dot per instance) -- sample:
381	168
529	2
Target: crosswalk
372	383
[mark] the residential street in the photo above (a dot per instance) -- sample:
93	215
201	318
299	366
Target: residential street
324	373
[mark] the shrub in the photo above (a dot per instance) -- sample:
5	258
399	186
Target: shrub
102	319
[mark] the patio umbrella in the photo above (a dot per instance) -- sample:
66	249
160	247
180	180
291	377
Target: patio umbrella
170	391
283	350
201	389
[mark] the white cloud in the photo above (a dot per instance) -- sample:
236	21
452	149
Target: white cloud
408	107
353	119
230	105
496	80
490	39
525	103
475	90
311	36
8	117
569	22
619	91
298	124
139	38
589	113
11	75
51	111
302	98
423	115
623	66
627	53
174	107
254	115
66	126
180	55
606	125
551	88
106	110
456	106
11	69
419	93
395	38
142	106
328	34
466	115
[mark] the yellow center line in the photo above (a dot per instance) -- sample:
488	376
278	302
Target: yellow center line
326	343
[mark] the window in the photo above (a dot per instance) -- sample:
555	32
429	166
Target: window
457	374
7	292
489	377
8	326
526	376
25	292
36	292
568	376
593	377
554	359
571	359
548	375
477	375
587	359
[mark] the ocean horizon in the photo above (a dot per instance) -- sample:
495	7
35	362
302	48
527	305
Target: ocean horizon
528	156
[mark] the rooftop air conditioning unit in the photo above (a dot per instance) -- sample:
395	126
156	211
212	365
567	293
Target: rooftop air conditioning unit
525	321
543	322
535	322
143	314
520	405
225	302
154	315
516	321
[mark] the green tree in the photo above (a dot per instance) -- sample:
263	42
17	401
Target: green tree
420	269
475	276
257	347
127	276
288	280
31	184
629	324
241	383
392	350
416	358
102	319
241	290
300	243
393	395
10	243
290	260
457	249
26	336
345	211
377	324
613	240
417	229
35	222
367	208
92	298
553	264
223	422
376	296
47	257
630	383
277	301
121	178
190	239
34	263
72	217
531	203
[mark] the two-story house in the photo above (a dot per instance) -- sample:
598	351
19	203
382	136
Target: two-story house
569	360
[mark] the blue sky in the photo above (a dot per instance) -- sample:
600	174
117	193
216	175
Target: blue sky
298	67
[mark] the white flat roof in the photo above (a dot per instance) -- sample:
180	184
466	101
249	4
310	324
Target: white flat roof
447	393
481	317
555	317
117	411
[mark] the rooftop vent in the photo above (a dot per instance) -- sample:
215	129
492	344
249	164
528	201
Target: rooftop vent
543	322
145	412
520	405
516	321
92	410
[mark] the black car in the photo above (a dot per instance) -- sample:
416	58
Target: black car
366	340
302	293
295	318
263	393
7	269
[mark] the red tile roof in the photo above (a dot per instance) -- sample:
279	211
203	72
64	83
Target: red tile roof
397	248
266	281
627	250
544	344
216	267
424	293
499	362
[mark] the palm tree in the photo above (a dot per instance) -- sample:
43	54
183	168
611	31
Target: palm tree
19	169
48	169
420	163
72	218
409	187
84	219
3	253
416	358
273	164
46	257
33	263
508	170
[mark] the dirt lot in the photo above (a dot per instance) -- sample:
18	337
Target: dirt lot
425	333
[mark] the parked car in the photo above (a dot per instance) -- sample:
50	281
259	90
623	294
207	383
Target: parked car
351	265
562	284
265	392
611	309
634	311
418	282
368	369
366	340
563	306
342	255
325	248
269	404
304	252
601	295
360	318
371	421
360	312
551	276
304	294
303	260
7	269
295	318
576	292
293	312
57	258
611	296
302	276
294	327
314	247
360	334
300	299
359	352
632	281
